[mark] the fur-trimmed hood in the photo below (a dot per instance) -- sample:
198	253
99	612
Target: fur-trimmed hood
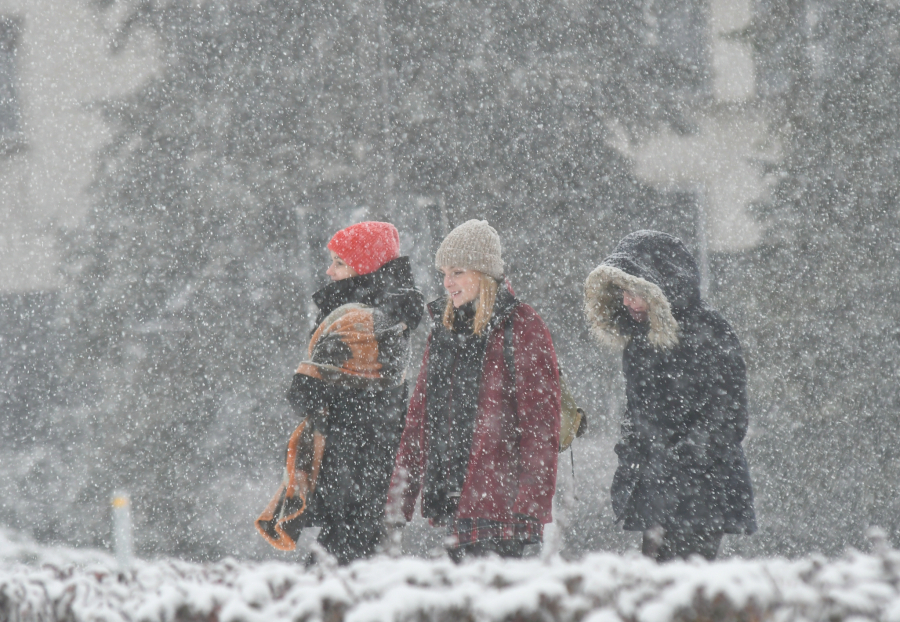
653	265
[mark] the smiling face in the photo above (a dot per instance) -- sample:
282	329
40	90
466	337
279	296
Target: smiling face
637	306
462	285
339	270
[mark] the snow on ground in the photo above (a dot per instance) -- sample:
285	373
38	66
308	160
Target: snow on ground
56	585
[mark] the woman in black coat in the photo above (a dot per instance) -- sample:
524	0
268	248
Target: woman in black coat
682	477
351	391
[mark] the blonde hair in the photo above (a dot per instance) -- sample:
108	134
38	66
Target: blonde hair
484	305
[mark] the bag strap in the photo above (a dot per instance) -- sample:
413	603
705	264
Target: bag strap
572	457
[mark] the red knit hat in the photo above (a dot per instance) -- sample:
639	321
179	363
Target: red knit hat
366	246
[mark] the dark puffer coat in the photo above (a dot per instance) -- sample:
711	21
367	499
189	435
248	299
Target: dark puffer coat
680	458
364	422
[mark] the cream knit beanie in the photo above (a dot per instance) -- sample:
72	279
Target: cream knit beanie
474	245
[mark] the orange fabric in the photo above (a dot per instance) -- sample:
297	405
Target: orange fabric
356	329
306	449
345	351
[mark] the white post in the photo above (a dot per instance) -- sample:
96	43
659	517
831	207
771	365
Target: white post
121	508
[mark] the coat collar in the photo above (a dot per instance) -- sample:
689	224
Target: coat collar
392	285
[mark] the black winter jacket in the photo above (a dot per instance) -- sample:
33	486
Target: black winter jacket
680	458
363	426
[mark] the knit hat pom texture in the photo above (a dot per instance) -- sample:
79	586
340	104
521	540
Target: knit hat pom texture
474	245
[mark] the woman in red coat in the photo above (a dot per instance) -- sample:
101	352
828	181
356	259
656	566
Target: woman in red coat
482	430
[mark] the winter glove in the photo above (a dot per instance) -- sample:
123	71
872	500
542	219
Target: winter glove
626	477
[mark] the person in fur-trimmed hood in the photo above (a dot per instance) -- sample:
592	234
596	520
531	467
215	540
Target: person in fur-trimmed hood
351	392
682	478
482	430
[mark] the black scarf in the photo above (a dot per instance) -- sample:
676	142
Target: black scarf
391	288
455	370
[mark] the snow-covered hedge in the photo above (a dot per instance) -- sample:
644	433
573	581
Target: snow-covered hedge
599	588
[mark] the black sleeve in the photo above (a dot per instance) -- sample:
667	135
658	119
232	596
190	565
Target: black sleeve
721	401
306	395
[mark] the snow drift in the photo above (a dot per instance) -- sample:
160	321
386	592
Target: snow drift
50	585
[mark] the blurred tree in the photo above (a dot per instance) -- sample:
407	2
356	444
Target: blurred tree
188	299
819	301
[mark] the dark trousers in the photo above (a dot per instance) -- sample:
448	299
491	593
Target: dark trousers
362	436
508	549
352	540
666	544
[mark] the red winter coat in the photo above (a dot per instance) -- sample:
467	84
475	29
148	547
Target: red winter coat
512	459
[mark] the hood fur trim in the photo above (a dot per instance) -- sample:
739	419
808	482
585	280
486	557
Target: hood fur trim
601	291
